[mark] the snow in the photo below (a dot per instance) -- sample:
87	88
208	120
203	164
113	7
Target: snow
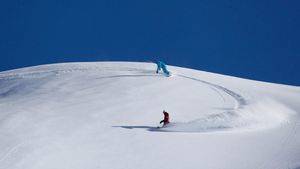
104	115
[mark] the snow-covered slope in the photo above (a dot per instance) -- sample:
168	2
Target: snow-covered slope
104	115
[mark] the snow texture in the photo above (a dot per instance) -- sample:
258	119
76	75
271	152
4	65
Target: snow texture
105	115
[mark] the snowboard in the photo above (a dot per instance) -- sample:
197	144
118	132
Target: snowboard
163	126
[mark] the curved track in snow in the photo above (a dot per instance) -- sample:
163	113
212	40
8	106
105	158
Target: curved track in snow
214	122
242	115
241	101
74	115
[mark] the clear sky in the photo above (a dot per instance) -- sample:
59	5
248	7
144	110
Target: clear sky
256	39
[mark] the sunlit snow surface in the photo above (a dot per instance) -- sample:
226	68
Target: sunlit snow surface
105	115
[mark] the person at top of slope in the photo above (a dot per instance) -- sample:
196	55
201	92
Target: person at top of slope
162	66
166	118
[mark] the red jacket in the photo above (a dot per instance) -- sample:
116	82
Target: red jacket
166	118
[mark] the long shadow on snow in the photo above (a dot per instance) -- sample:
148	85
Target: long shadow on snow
128	76
155	129
149	128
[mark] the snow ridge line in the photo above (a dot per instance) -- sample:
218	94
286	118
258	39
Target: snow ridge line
57	70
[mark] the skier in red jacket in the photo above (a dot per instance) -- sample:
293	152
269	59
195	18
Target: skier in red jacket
166	118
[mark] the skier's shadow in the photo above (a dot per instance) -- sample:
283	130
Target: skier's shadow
149	128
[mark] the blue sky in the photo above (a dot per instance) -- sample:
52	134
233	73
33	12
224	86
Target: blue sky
255	39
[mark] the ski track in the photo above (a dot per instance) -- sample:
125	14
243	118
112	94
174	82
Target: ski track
58	70
241	102
239	99
11	151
